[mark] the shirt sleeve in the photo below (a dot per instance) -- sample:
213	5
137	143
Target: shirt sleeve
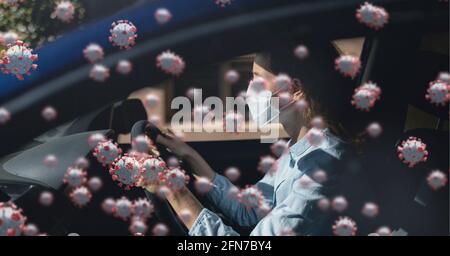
209	224
222	197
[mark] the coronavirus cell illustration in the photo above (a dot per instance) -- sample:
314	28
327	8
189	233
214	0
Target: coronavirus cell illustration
93	53
106	152
124	67
348	65
372	16
123	34
18	60
344	226
162	15
412	151
75	177
64	11
176	179
438	93
251	197
152	171
11	219
170	63
437	179
99	73
126	170
81	196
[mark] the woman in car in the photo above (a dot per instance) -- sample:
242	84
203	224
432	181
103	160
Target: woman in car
294	187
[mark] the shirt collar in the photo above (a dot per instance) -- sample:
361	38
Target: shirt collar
296	150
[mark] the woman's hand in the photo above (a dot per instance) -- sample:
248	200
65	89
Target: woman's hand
175	145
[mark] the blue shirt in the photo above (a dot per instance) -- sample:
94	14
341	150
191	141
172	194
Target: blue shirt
290	192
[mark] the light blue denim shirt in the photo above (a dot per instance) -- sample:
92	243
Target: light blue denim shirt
294	207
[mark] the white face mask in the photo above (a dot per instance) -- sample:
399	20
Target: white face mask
263	108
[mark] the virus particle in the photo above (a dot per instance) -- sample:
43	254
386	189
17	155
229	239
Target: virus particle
234	122
95	184
64	11
80	196
323	204
372	87
339	204
363	99
5	116
160	230
155	120
30	230
109	205
301	105
162	16
251	197
315	136
170	63
231	76
344	226
81	162
444	77
176	179
266	164
106	152
93	53
50	161
372	16
317	122
223	3
257	85
232	173
153	171
185	215
320	176
436	179
126	170
163	192
233	193
412	151
374	130
151	100
11	219
301	52
284	99
18	60
370	210
123	34
438	93
173	162
46	198
75	177
282	82
49	113
123	208
99	73
143	208
138	226
348	65
199	112
124	67
95	139
9	38
203	185
384	231
141	144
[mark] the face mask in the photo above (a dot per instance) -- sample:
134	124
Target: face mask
263	108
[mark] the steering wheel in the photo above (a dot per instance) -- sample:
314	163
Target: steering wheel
163	210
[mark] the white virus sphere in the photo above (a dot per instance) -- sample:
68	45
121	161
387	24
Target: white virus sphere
370	210
318	122
163	192
223	3
96	138
123	34
234	122
124	67
106	152
11	219
251	197
185	215
5	116
162	16
374	130
192	92
348	65
199	112
315	136
203	185
30	230
170	63
363	99
301	105
93	53
437	180
282	82
99	73
372	16
231	76
173	162
438	93
80	196
160	230
9	38
384	231
284	99
95	184
46	198
373	87
344	226
151	100
143	208
109	205
18	60
82	163
141	144
233	193
266	164
444	77
232	173
126	170
123	208
49	113
75	177
320	176
323	204
155	120
279	147
64	11
412	151
176	179
301	52
153	171
257	85
51	161
339	204
138	226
